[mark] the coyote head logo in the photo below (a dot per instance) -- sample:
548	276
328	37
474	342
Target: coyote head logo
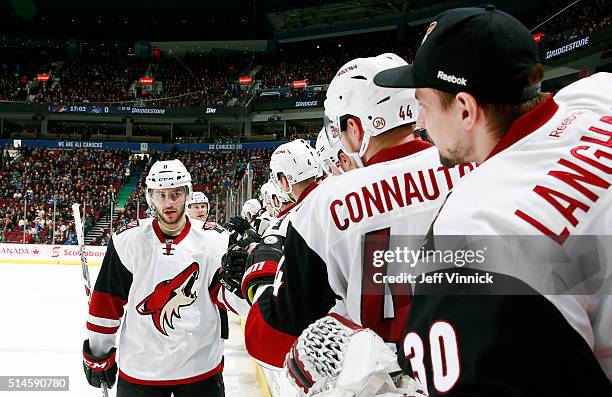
169	296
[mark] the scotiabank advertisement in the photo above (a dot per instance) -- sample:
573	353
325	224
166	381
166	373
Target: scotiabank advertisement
50	254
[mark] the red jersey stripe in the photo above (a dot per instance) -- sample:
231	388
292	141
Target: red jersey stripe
192	379
257	337
105	305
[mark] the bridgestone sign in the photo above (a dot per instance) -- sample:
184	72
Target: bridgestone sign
306	104
567	48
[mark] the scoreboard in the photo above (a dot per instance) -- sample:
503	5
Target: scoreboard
108	110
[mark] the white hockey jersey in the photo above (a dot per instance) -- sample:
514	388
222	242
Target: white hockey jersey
398	193
549	176
263	222
162	288
278	227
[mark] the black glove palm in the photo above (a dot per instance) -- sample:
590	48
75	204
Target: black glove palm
250	236
233	266
239	224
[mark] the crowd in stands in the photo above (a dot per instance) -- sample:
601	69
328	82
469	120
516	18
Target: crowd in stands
36	178
212	173
211	80
196	80
10	89
306	133
580	19
94	79
18	66
318	64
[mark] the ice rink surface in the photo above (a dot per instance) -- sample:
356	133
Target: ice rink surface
42	328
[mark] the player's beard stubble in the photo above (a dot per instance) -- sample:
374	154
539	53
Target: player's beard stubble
171	216
453	156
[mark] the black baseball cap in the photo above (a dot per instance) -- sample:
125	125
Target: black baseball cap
480	50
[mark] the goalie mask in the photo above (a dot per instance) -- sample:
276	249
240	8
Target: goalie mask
295	161
167	175
352	93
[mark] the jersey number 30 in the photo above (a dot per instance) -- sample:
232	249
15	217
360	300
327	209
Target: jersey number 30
444	353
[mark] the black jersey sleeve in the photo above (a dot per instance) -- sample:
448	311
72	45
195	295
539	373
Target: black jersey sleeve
300	295
110	294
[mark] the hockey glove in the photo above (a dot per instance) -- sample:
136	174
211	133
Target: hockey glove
250	236
262	264
99	370
239	224
233	266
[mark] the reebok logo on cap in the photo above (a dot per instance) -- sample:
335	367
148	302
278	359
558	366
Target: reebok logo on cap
451	78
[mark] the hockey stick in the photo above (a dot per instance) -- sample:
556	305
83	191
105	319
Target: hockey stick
78	226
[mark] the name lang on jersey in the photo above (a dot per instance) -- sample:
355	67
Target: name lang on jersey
583	186
392	193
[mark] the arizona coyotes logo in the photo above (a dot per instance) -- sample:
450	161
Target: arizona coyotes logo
169	296
429	29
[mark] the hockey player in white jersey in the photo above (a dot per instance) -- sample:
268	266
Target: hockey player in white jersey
331	158
327	156
250	210
264	215
545	172
244	228
256	215
161	277
294	171
270	198
274	201
198	206
398	190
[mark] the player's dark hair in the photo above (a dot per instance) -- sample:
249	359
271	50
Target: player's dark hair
501	116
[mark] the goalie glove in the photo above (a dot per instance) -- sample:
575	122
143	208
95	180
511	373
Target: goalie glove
101	369
233	266
334	354
261	266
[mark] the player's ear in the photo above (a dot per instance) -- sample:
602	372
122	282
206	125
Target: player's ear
467	110
354	128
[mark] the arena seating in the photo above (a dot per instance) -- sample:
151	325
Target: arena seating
210	80
89	175
40	175
94	79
